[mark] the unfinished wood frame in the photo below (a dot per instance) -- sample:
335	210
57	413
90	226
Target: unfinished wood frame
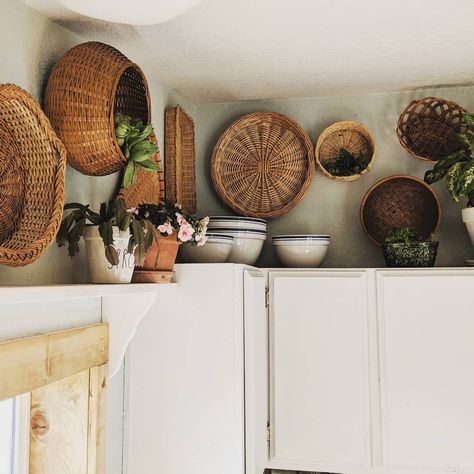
66	373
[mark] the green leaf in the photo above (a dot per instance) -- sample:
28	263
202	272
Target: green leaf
148	165
452	180
111	255
129	174
466	181
469	119
140	156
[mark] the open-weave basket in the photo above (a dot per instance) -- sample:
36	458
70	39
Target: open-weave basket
263	165
87	86
32	172
180	159
427	128
353	137
396	202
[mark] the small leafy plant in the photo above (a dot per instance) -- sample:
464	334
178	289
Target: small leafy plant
168	217
458	167
113	213
348	164
133	137
404	235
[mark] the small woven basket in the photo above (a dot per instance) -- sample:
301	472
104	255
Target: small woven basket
427	128
396	202
32	173
87	86
263	165
353	137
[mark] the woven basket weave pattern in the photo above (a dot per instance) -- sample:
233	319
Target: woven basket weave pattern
32	172
427	128
262	165
88	85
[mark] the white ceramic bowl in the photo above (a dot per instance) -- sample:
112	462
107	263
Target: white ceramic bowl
223	222
216	250
247	244
301	253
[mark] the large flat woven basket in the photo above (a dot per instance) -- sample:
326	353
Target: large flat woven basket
32	172
396	202
263	165
87	86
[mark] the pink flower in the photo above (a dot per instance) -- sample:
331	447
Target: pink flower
202	241
181	220
186	231
166	228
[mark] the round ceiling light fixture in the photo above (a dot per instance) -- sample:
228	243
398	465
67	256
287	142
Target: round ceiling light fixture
138	12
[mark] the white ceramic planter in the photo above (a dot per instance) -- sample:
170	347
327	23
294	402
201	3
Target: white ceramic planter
100	270
468	219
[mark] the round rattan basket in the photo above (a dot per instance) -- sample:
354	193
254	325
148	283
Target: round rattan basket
353	137
262	165
32	172
427	128
87	86
396	202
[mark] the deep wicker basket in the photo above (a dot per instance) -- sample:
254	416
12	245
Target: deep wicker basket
396	202
180	159
32	172
87	86
263	165
427	128
353	137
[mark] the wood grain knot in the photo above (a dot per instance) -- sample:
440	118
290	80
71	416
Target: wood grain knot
39	424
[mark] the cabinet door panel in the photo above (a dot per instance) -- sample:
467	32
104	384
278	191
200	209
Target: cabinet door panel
319	370
426	327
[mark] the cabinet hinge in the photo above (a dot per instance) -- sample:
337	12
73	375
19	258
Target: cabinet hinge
267	297
268	433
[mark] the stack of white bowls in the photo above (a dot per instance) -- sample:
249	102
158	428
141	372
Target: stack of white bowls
249	234
301	251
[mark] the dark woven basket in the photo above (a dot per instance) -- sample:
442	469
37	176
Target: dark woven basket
427	128
396	202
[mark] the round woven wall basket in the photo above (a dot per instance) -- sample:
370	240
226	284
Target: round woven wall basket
262	165
427	128
32	172
87	86
353	137
396	202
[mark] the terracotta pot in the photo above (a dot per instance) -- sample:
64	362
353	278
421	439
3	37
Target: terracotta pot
162	255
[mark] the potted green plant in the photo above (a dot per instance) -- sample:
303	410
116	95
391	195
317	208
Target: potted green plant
458	168
174	227
348	164
115	238
405	248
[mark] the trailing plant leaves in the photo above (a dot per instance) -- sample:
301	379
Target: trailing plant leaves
452	180
111	255
466	181
148	165
129	174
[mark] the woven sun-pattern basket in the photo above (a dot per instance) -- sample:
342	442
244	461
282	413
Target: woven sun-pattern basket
427	128
87	86
353	137
32	172
396	202
180	159
263	165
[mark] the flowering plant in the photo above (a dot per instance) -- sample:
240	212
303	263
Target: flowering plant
168	217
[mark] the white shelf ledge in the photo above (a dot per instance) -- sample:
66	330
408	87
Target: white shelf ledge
123	307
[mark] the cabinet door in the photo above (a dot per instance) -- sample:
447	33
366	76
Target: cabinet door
319	371
426	327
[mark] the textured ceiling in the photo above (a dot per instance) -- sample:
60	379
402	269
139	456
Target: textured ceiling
226	50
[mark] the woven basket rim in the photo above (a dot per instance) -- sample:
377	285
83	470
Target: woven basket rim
262	117
335	127
29	253
390	178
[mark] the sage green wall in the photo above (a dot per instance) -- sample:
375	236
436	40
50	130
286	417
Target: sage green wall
329	206
31	46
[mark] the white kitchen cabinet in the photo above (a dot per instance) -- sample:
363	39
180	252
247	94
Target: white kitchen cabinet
320	372
426	336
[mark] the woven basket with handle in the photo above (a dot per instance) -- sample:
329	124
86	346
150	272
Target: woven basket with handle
32	172
353	137
427	128
263	165
87	86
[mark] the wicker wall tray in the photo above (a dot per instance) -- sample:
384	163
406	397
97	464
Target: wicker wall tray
32	171
352	136
180	159
87	86
399	201
427	128
262	165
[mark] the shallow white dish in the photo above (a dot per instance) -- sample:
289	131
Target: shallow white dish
216	250
297	254
247	245
220	222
